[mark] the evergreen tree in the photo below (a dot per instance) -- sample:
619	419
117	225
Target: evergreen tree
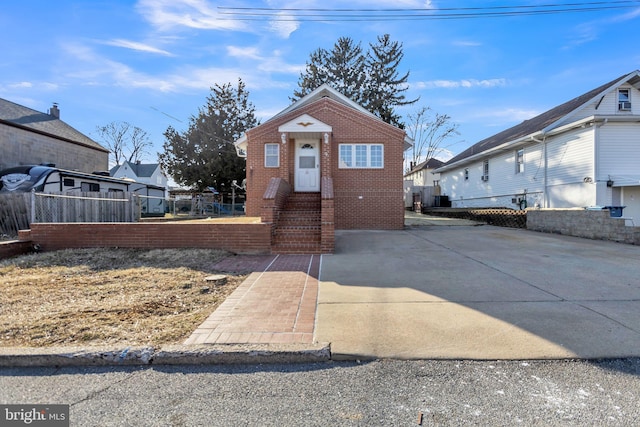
343	67
204	155
371	79
384	89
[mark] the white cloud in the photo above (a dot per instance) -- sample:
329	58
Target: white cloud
284	27
508	114
464	83
128	44
243	52
466	43
590	31
268	63
21	85
199	14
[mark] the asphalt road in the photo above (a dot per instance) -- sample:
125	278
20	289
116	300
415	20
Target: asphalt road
380	393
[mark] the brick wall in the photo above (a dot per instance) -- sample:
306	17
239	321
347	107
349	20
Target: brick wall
590	224
21	147
237	238
363	198
14	248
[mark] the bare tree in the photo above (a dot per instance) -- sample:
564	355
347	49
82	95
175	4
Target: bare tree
428	131
125	141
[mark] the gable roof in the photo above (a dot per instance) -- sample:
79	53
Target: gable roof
323	91
543	122
142	170
16	115
431	163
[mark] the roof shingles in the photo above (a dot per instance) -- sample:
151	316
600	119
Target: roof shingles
538	123
14	114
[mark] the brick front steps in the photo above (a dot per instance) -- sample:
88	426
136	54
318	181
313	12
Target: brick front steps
298	227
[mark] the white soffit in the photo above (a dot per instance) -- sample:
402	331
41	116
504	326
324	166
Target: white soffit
305	123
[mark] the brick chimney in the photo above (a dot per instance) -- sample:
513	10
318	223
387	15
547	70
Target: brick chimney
54	111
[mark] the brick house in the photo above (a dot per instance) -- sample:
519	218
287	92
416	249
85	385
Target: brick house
321	164
29	137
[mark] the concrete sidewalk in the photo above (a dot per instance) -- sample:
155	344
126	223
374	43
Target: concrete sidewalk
469	292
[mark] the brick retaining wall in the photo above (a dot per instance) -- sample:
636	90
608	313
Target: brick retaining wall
237	238
13	248
590	224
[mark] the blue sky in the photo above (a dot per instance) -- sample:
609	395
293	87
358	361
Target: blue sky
151	62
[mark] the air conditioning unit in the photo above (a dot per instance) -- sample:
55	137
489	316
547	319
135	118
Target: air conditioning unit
624	106
485	178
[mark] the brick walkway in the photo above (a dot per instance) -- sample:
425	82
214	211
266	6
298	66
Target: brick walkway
275	304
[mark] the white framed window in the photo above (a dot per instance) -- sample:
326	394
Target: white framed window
271	155
520	160
361	156
624	100
485	170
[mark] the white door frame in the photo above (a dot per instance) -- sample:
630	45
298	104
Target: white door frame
307	165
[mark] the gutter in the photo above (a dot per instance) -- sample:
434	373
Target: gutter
97	147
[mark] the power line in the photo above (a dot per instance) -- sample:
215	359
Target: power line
339	14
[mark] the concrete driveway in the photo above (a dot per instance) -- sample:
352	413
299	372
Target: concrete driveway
478	292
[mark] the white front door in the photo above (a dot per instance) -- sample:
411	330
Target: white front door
307	165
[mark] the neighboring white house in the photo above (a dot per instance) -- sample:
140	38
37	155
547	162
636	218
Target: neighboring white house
421	180
147	173
585	152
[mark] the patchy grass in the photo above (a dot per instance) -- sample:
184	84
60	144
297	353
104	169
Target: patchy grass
106	296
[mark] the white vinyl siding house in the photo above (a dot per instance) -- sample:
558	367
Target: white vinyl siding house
585	152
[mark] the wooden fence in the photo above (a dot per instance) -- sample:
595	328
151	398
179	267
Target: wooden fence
17	211
14	213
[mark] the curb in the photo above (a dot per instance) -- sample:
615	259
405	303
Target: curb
164	355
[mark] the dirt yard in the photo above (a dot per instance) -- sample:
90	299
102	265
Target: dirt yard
104	296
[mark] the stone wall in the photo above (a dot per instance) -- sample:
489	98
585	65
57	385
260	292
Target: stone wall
590	224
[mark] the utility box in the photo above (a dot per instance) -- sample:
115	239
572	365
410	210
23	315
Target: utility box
615	211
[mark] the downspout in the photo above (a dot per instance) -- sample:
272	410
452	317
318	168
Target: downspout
545	196
596	155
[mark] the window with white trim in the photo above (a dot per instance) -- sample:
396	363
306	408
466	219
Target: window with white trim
485	170
271	155
520	160
361	156
624	100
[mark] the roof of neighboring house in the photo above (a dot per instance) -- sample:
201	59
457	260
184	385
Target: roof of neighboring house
427	164
142	170
25	118
547	120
